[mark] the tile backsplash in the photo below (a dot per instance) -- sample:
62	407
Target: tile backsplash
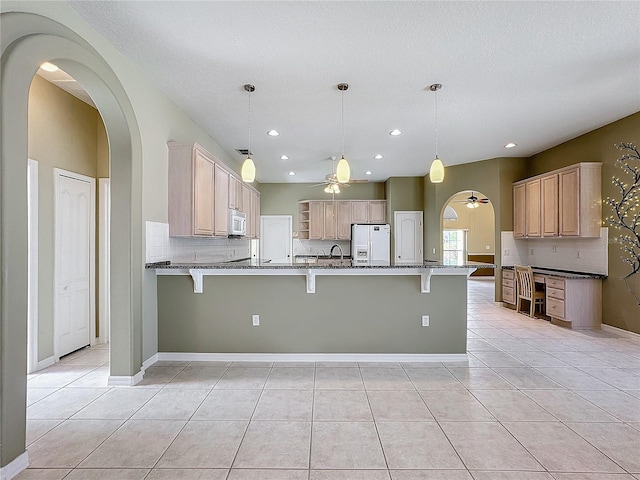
575	254
161	247
313	247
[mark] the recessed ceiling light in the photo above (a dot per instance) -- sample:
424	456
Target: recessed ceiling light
510	145
284	157
395	132
273	133
368	172
378	157
49	67
291	174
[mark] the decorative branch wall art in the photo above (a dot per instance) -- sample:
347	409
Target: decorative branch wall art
625	208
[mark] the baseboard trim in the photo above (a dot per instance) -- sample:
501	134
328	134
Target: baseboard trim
311	357
149	361
15	467
47	362
125	381
620	331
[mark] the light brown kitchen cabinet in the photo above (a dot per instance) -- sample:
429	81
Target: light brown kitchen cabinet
359	211
377	211
508	287
577	211
343	221
316	220
191	191
533	211
330	221
234	183
549	199
570	202
519	211
221	202
246	208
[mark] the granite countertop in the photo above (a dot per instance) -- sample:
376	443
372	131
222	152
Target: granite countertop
267	264
560	273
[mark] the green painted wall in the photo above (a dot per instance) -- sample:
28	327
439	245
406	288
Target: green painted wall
66	133
618	306
283	198
402	194
347	314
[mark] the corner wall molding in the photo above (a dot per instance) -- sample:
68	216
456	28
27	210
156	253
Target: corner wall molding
15	467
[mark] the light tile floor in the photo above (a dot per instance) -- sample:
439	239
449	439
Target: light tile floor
533	402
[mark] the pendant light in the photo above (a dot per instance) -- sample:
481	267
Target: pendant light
343	171
436	172
248	171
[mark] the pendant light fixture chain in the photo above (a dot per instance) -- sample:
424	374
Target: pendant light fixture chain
248	167
343	171
434	88
436	172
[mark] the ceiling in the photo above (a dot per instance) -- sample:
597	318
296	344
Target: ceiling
533	73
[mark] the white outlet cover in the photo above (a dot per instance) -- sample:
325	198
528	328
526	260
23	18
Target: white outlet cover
256	320
425	320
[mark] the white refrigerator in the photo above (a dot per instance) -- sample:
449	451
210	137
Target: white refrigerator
370	244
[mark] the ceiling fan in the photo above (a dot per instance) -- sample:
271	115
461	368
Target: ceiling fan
331	183
472	201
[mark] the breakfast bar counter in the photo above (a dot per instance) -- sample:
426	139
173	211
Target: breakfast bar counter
259	309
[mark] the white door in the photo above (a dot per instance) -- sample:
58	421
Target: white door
408	238
276	238
74	257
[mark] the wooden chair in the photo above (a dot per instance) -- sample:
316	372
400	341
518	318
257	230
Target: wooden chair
527	289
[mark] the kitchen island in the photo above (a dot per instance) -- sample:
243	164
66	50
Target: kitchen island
312	312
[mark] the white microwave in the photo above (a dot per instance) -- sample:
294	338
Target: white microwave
237	223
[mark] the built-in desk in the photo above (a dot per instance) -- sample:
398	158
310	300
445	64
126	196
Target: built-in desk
571	299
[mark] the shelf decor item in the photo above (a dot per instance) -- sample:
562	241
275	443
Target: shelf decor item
626	212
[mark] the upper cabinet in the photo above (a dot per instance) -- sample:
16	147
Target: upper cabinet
565	202
549	198
201	191
533	213
331	220
519	210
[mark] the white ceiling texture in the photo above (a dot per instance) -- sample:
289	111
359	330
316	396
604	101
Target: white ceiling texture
532	73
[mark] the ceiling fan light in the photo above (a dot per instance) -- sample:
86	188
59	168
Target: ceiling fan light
471	205
328	189
343	171
436	172
248	171
336	188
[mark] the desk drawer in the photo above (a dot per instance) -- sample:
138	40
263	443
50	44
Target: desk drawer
508	282
555	283
510	274
539	278
508	295
555	293
555	308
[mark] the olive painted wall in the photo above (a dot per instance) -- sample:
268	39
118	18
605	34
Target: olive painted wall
373	314
619	307
66	133
403	194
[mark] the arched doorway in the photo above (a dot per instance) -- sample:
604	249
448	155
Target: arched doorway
468	233
27	41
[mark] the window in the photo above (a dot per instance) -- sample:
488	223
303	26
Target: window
454	250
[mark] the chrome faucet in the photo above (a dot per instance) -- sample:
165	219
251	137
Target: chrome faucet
318	254
339	249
